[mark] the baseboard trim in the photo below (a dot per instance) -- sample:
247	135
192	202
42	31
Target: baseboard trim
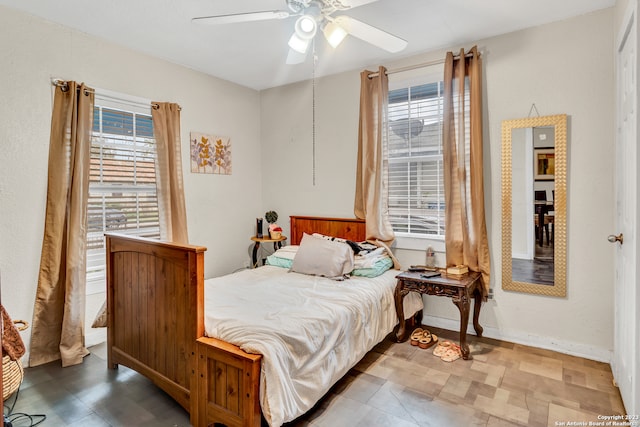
95	337
547	343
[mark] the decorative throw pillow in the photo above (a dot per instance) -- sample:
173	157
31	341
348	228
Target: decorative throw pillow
101	318
321	257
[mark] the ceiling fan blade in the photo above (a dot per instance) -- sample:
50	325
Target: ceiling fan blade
295	57
241	17
371	34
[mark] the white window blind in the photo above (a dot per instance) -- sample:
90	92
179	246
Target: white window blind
415	162
122	188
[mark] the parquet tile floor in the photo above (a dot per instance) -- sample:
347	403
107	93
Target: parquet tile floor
395	385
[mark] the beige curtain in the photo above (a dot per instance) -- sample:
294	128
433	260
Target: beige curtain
371	202
466	234
170	187
58	319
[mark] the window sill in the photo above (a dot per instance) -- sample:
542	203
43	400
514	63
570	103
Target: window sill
419	243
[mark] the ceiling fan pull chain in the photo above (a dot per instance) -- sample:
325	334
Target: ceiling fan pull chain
313	112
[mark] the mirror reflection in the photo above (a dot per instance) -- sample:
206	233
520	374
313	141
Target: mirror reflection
533	191
534	205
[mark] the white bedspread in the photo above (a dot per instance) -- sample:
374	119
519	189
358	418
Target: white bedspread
310	330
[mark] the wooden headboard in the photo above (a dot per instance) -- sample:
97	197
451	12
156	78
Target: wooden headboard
347	228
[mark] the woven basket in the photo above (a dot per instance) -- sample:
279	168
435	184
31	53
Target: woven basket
12	375
12	370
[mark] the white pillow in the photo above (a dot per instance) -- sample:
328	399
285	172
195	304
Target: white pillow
321	257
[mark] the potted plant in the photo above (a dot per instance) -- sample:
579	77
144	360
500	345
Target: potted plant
275	231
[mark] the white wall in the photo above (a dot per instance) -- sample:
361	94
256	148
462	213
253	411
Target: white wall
564	67
287	141
221	209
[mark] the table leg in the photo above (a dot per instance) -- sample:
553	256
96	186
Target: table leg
477	304
541	226
255	254
401	333
462	302
418	318
546	232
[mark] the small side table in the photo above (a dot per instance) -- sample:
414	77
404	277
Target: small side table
459	288
277	244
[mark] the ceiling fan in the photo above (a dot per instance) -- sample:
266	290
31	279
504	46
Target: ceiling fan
313	15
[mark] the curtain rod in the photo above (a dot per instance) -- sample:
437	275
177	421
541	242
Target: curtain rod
416	66
65	86
155	106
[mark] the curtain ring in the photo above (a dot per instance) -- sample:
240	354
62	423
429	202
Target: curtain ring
63	85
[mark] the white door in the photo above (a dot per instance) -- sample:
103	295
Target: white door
625	358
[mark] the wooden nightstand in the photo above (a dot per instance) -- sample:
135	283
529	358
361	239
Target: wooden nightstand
277	244
459	288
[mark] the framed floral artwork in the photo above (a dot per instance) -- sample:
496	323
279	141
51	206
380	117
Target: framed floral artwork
210	154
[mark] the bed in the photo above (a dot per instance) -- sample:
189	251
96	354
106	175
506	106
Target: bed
156	326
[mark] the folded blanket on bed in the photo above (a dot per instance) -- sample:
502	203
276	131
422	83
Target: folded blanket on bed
369	259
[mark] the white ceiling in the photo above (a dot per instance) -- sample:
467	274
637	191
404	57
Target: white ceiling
253	54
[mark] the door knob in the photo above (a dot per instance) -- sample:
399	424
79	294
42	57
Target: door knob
614	239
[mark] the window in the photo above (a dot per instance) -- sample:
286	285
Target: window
122	184
415	160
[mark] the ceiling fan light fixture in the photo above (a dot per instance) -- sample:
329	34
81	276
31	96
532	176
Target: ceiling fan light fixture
306	27
312	15
334	34
307	24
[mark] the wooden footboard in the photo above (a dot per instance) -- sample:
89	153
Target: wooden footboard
155	310
155	303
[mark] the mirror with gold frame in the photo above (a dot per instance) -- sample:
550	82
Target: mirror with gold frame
534	205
